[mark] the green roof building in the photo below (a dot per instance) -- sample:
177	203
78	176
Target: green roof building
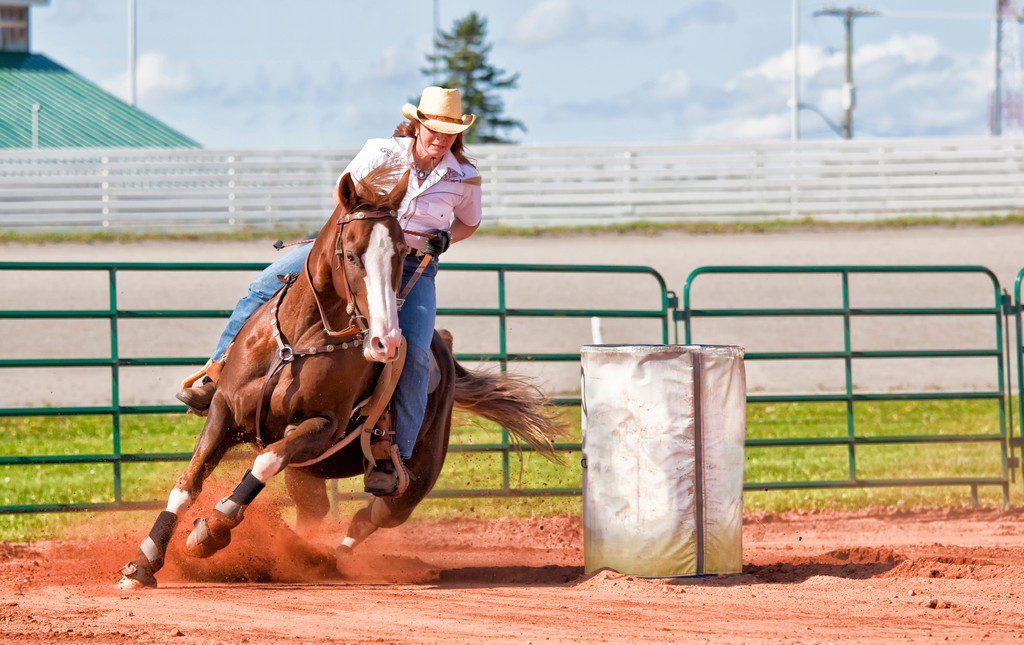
44	104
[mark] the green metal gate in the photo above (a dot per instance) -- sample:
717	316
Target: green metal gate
848	354
665	309
1015	308
656	311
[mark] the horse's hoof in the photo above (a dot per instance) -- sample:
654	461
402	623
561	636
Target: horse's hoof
346	548
131	584
136	576
202	542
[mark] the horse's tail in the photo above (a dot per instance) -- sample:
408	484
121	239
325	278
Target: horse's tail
513	402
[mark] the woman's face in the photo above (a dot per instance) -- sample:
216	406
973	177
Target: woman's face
433	144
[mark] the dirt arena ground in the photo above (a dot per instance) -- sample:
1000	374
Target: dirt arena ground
860	576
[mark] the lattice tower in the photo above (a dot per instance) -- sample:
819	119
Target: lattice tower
1006	103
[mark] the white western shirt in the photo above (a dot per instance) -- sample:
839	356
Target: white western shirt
451	189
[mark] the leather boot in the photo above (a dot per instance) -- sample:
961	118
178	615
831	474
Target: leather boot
198	397
381	479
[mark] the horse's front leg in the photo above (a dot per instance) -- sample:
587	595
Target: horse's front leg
212	444
301	442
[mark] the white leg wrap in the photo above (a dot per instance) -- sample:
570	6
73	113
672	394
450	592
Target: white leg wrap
178	501
150	550
266	465
230	507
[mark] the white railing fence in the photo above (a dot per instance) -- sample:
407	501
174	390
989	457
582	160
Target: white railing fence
124	189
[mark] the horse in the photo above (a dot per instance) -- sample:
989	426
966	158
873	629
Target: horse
295	401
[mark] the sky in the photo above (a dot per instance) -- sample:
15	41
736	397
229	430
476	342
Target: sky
306	73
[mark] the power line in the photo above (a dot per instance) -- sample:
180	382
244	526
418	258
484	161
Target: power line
937	15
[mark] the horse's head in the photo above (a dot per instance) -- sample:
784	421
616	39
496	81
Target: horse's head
372	249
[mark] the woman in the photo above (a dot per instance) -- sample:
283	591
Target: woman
442	183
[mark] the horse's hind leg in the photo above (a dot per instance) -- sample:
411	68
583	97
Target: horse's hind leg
310	496
379	513
210	447
302	442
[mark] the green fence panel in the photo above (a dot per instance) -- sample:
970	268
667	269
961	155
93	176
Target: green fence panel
847	312
664	311
1016	310
661	311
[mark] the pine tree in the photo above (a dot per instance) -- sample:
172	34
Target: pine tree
461	62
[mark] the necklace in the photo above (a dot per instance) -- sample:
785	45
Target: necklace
422	173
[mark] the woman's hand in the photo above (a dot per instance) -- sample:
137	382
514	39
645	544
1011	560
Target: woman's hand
437	243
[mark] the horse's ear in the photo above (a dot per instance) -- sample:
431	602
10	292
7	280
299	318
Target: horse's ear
345	193
397	194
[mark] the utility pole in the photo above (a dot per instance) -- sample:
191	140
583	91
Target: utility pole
794	95
437	34
848	15
1006	115
132	50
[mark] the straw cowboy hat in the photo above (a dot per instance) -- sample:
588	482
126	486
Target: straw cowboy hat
440	109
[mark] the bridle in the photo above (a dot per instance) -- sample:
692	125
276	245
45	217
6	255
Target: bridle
352	335
357	324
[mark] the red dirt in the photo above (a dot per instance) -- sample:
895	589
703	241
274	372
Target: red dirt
927	575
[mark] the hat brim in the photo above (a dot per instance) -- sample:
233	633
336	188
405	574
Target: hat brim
412	112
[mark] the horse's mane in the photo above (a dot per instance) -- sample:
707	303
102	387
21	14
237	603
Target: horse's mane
376	189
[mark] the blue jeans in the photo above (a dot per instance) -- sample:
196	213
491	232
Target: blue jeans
416	320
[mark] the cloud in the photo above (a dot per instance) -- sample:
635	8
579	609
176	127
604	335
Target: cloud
566	21
663	94
707	12
813	59
769	126
547	22
331	94
553	21
907	85
398	64
158	78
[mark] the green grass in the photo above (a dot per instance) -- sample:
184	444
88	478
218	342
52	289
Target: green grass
649	227
25	484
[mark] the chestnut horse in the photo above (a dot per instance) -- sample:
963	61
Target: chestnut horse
310	399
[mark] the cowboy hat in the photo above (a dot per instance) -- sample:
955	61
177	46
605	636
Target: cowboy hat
440	109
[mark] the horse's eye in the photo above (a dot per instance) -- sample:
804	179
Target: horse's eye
351	257
402	249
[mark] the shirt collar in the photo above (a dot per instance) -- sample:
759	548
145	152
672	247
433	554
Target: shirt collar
448	161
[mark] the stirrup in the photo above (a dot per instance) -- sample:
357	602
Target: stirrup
192	378
188	397
404	476
377	482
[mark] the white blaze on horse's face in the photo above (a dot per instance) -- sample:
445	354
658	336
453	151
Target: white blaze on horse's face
385	337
